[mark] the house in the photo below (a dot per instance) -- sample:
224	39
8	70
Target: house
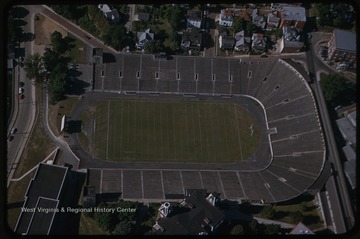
244	14
258	20
192	39
301	229
143	37
242	43
226	18
10	56
226	42
342	47
142	16
52	187
194	19
293	16
198	216
291	40
272	22
109	13
258	42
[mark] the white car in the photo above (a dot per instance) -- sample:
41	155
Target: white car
21	90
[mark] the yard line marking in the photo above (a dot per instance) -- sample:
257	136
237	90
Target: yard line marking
227	129
162	184
122	183
173	119
187	134
242	188
101	179
161	149
134	132
121	135
108	130
213	144
200	136
237	123
221	184
153	104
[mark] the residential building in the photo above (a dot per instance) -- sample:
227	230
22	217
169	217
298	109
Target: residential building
350	165
242	43
226	18
293	16
342	47
144	37
301	229
244	14
291	40
199	216
142	16
272	22
111	14
52	187
192	39
226	42
348	130
257	19
258	42
194	19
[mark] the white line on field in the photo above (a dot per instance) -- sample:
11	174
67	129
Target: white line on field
237	123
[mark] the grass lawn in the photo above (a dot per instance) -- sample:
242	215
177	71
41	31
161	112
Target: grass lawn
89	227
79	51
173	131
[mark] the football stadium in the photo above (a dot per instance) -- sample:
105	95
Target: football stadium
245	128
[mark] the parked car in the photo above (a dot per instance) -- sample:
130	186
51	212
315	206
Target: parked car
21	90
13	130
10	138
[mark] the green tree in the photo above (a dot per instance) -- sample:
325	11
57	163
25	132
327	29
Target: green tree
92	10
123	228
296	217
50	59
33	66
252	28
153	46
238	24
102	24
332	85
57	82
268	212
272	229
237	230
253	226
116	37
174	16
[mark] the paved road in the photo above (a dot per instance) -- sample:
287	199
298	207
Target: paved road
337	189
24	110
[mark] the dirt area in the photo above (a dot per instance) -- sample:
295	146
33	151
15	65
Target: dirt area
43	28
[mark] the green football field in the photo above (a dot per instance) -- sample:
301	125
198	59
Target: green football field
173	131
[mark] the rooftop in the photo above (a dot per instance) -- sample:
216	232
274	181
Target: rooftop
294	13
345	40
347	129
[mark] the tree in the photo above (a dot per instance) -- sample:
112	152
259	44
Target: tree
116	37
123	228
237	230
153	46
50	59
174	16
92	10
332	85
252	28
253	225
272	229
268	212
238	24
33	66
296	217
57	82
102	24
